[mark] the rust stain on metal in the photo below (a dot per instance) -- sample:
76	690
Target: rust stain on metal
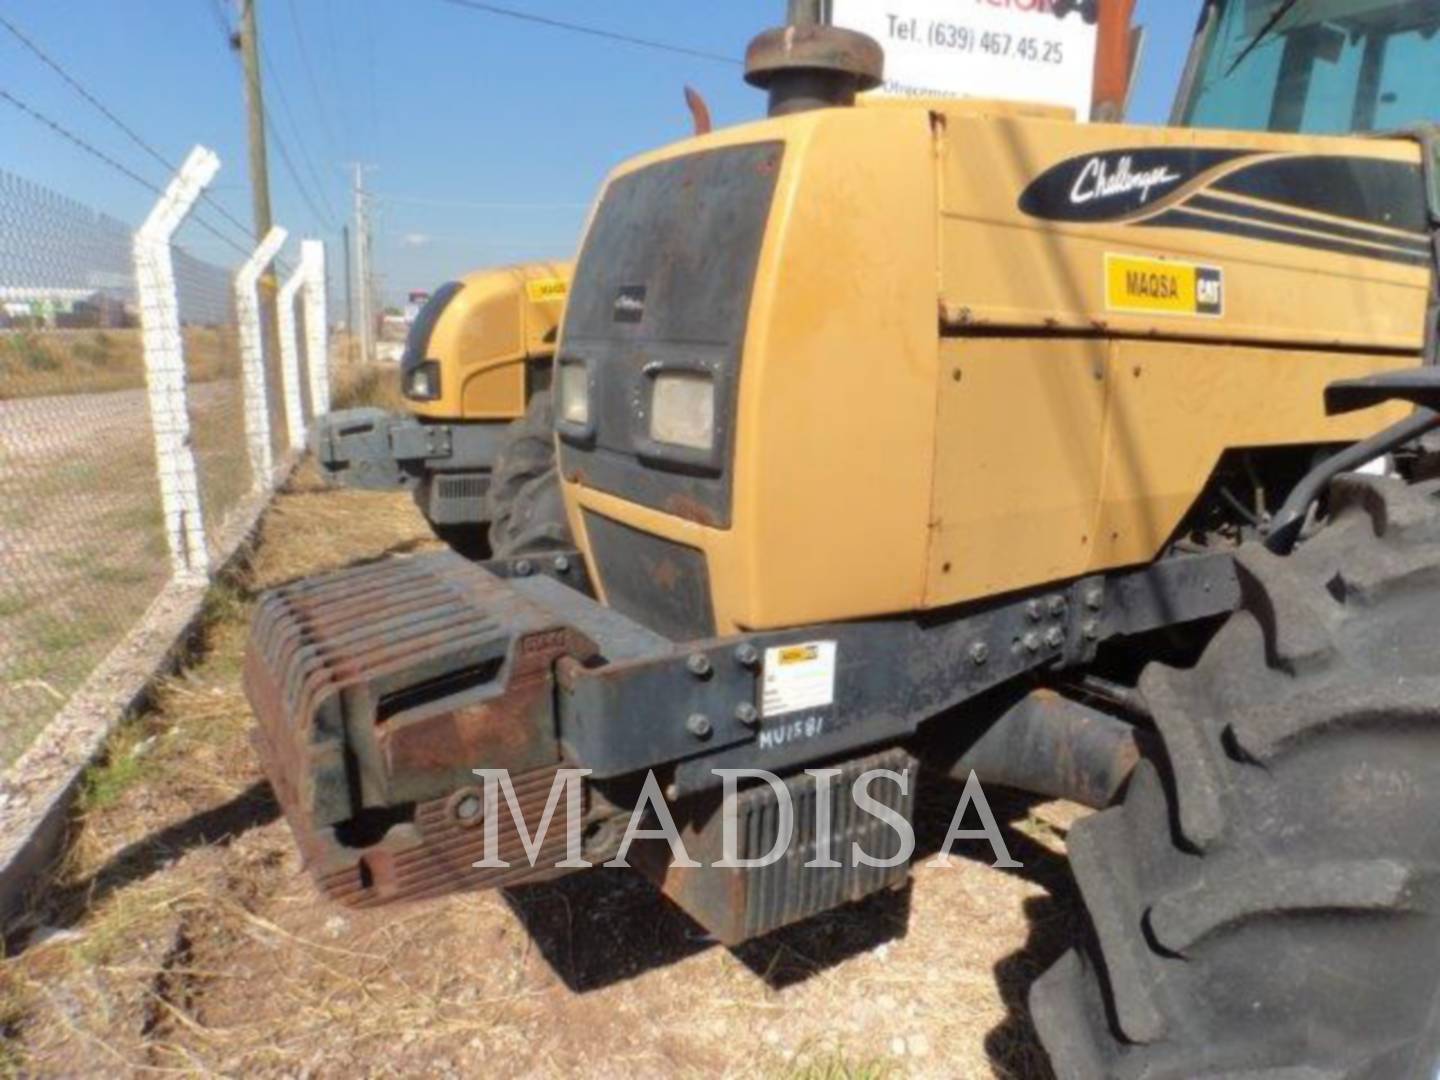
664	574
412	672
434	854
682	506
699	111
823	48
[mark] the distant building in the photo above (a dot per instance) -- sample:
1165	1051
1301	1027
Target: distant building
42	308
417	299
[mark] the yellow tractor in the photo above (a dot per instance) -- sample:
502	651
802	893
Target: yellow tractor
475	448
1084	459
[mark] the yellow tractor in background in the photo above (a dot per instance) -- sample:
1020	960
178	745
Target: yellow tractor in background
1084	459
475	447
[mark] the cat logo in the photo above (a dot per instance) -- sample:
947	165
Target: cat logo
1149	286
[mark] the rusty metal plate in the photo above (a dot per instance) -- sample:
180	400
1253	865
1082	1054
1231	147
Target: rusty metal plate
377	691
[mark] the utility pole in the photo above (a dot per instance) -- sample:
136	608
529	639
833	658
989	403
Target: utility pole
249	45
363	294
255	104
349	302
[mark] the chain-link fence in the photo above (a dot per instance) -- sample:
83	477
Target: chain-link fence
128	437
216	397
82	536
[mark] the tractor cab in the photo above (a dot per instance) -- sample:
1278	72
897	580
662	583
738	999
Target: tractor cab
1315	67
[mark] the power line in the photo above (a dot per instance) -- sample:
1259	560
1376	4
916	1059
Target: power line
70	136
278	87
326	217
370	67
217	9
592	31
314	83
131	133
100	155
460	204
347	129
54	66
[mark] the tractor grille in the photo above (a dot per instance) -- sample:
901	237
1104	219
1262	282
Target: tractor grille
787	891
665	282
739	903
464	487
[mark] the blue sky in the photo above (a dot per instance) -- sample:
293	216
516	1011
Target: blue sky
489	136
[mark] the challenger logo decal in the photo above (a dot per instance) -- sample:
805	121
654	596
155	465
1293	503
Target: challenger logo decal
1096	181
1116	184
1343	204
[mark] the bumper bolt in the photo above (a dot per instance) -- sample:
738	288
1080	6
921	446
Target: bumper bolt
1031	641
1035	611
746	655
1057	606
561	564
698	725
1054	637
747	714
698	665
1091	630
979	653
523	568
1094	598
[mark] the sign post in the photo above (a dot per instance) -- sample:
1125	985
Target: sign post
1016	50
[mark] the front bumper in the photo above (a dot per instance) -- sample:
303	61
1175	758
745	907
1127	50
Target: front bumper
448	466
379	690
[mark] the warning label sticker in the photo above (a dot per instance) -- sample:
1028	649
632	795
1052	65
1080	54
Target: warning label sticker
798	677
1143	285
546	289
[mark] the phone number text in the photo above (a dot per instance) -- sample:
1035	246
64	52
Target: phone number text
957	37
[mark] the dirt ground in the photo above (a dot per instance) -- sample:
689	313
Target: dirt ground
181	935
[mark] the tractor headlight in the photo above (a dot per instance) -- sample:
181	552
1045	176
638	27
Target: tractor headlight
682	410
573	396
422	382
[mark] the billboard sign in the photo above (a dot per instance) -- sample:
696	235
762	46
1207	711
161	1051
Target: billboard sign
1018	50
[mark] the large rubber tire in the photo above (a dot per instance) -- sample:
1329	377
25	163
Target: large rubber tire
1266	901
527	513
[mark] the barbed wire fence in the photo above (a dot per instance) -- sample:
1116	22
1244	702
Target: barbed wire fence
132	380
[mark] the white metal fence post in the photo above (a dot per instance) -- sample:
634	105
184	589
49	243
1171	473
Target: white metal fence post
317	326
290	358
164	347
252	356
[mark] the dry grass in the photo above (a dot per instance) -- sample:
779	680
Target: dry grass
376	385
190	940
82	535
84	552
46	363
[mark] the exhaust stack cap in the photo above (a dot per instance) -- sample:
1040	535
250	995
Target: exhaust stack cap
813	67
